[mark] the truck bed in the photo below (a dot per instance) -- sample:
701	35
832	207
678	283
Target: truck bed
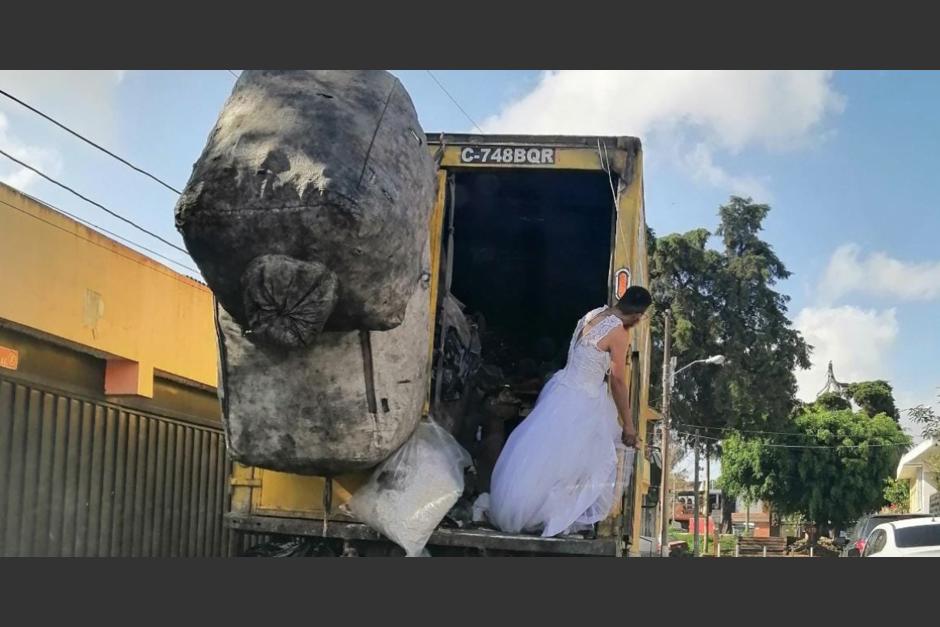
476	538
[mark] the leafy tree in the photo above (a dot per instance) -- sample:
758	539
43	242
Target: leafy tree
724	302
749	468
898	495
874	397
830	466
832	401
928	419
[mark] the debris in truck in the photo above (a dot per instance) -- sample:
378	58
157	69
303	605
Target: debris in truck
460	515
307	215
457	367
291	547
498	409
480	508
461	350
410	493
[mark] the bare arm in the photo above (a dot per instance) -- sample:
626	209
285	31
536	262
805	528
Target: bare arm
617	343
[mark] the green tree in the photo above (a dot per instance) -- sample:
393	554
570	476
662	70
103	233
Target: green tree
898	495
832	401
749	468
723	301
874	397
831	465
928	419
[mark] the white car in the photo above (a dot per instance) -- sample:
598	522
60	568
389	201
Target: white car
914	537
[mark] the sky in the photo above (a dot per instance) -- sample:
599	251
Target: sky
847	161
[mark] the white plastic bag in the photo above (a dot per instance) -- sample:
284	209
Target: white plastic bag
409	493
481	508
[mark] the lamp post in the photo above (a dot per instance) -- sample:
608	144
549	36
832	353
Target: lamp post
669	376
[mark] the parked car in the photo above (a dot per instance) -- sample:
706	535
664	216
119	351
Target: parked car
916	537
856	540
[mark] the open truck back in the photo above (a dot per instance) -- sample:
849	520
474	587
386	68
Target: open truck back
528	233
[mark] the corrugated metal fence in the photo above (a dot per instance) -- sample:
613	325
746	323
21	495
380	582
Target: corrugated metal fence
84	478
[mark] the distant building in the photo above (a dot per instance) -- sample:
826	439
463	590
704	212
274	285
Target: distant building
920	467
753	519
684	508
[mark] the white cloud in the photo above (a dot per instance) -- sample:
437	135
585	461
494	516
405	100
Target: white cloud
878	274
857	341
44	159
702	167
81	99
714	110
733	109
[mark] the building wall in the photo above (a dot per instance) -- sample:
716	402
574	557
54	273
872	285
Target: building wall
930	488
917	500
71	283
923	486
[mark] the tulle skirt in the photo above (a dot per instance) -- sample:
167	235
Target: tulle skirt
558	470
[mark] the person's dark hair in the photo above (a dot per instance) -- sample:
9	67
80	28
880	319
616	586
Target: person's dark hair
636	300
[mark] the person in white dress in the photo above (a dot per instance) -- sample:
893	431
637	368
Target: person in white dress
557	473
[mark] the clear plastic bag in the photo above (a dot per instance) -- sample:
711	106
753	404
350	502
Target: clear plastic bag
481	508
409	493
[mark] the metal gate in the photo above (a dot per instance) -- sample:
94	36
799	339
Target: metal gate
85	478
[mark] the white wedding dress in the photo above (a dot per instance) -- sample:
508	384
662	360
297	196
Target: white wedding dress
557	473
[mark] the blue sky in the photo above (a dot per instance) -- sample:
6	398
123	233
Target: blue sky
847	160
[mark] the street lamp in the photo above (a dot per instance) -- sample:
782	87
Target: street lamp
714	360
669	376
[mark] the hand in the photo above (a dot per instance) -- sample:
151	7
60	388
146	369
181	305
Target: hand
630	439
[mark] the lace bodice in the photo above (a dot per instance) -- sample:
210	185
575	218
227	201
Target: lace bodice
587	364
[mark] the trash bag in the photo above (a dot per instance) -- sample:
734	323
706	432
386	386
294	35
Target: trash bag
409	494
310	181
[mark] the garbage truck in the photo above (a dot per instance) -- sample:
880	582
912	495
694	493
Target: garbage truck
371	279
529	233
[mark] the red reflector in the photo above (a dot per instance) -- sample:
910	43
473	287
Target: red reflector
623	282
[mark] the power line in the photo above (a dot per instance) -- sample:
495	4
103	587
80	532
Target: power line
808	446
691	428
101	229
232	73
96	204
454	100
100	245
89	142
734	430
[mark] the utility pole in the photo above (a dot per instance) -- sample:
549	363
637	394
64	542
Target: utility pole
747	518
695	502
667	395
708	494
